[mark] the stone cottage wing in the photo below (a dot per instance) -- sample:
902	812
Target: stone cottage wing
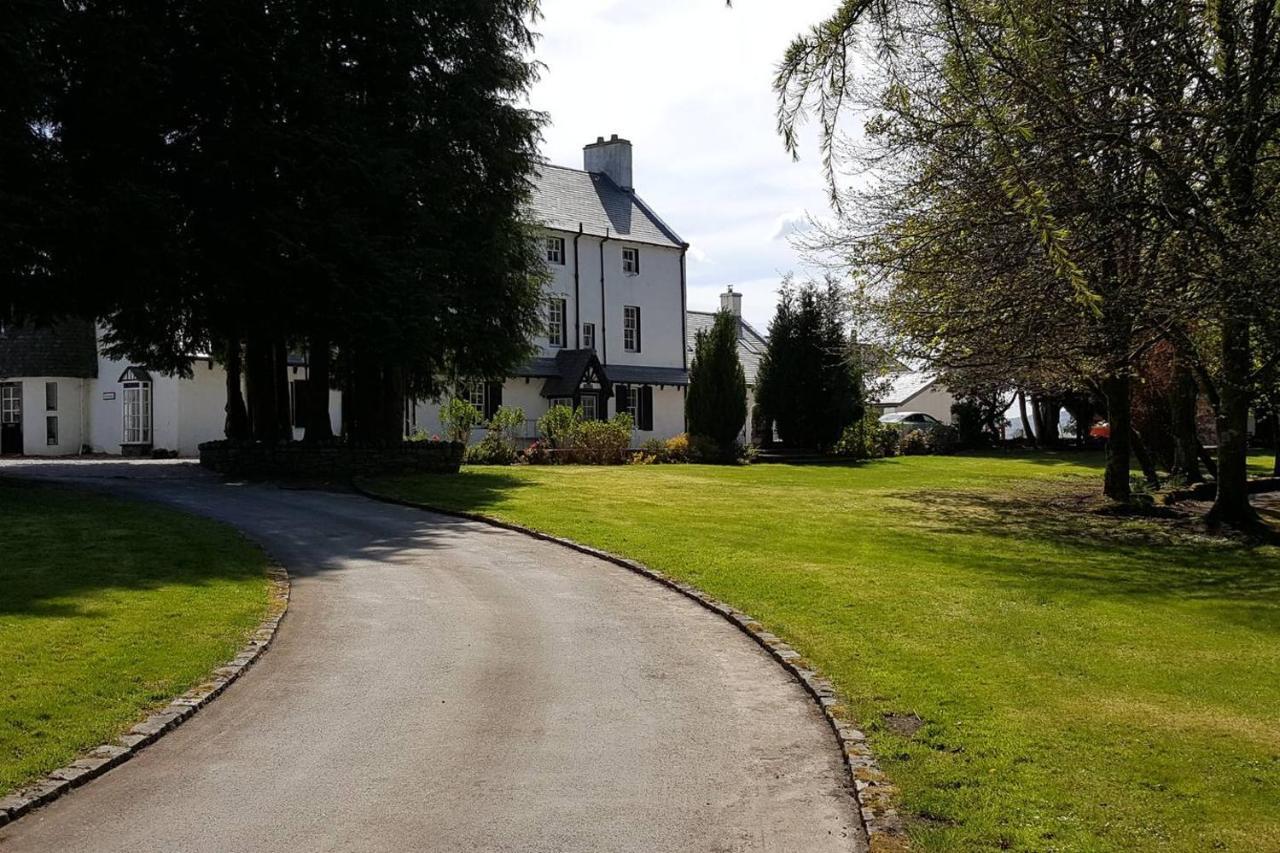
67	348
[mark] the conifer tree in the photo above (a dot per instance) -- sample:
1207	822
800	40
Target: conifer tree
717	402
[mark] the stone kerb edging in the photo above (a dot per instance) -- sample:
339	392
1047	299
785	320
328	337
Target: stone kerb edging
98	761
876	795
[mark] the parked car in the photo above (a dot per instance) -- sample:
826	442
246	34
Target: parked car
1101	431
907	421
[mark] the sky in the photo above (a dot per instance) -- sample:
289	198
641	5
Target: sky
689	83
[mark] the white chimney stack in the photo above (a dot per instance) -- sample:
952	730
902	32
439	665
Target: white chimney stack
610	157
731	302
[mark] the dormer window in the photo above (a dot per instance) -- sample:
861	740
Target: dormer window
631	261
555	250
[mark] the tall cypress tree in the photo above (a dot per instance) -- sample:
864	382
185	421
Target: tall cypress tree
808	382
717	403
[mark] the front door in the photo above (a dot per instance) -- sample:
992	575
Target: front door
11	417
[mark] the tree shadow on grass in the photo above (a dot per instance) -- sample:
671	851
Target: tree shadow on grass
474	490
62	546
1136	557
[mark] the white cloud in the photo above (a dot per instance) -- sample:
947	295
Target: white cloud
791	224
689	83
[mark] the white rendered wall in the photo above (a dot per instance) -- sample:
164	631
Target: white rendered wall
934	401
70	415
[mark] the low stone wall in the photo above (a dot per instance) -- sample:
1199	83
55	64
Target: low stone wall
297	460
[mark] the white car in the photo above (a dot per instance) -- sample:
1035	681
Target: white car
907	421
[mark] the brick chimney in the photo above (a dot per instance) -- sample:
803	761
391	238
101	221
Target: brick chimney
610	157
731	302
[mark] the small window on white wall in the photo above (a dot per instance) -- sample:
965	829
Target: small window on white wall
476	396
51	396
631	328
557	314
630	261
555	250
589	336
51	430
589	412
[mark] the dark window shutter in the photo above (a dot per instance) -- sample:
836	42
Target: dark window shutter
644	411
620	398
637	328
492	399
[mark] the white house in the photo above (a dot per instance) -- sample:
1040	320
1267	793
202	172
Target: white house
614	341
615	325
751	345
60	396
915	391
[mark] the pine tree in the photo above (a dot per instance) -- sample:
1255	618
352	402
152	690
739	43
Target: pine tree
717	403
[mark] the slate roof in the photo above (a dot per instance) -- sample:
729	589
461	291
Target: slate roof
629	374
904	386
564	372
571	365
751	344
564	198
68	348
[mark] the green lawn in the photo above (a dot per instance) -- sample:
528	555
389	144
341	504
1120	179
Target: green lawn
1086	683
108	609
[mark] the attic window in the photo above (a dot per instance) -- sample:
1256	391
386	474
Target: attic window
631	261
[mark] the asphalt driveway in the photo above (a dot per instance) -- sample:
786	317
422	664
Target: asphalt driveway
442	685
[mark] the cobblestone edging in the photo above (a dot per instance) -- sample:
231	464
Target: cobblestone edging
876	795
98	761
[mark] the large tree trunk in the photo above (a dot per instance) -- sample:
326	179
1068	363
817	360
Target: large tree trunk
260	381
1116	481
1231	506
236	426
377	403
1275	440
1186	442
1048	410
1149	472
280	380
317	398
1027	434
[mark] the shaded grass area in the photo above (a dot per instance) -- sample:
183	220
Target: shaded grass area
1085	682
108	609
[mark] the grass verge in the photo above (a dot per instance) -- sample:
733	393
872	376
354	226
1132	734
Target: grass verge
108	609
1084	682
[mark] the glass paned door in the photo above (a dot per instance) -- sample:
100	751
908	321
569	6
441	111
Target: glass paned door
137	413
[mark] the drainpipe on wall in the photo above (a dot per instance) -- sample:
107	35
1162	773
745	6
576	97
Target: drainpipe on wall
684	330
684	310
577	303
604	312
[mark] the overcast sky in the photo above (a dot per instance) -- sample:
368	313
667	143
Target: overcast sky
688	82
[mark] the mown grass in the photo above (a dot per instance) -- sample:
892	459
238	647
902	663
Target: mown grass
1086	682
108	609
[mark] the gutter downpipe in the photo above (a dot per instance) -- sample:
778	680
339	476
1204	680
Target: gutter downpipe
577	303
684	328
604	313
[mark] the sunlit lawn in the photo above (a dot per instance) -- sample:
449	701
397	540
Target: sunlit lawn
1086	683
108	609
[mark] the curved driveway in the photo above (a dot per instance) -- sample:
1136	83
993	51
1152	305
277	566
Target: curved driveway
441	685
